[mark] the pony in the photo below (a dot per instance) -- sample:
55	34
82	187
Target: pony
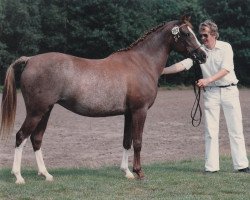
124	83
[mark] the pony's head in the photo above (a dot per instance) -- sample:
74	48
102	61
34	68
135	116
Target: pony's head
185	41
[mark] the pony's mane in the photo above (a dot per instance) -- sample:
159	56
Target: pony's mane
142	37
152	30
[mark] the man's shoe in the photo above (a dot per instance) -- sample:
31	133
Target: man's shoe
245	170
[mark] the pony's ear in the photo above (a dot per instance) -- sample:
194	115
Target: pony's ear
186	18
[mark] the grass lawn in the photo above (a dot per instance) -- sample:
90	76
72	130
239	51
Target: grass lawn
176	180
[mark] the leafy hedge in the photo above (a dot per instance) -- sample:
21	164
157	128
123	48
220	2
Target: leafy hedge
96	28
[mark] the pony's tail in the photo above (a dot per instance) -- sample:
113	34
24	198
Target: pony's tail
8	106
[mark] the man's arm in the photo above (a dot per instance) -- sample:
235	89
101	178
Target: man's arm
178	67
205	81
175	68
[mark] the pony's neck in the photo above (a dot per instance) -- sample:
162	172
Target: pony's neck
155	49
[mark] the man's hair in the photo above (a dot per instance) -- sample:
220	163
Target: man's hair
212	26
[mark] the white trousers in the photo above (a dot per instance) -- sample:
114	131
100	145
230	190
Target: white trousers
228	99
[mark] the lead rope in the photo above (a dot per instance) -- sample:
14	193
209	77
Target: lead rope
196	109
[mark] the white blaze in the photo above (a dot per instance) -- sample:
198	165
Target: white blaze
194	35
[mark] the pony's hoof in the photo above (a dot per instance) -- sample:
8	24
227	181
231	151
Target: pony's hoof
19	178
129	175
20	181
141	178
49	178
139	173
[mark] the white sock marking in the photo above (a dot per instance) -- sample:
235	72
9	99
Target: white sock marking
124	165
16	169
41	166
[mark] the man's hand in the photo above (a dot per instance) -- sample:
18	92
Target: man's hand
203	82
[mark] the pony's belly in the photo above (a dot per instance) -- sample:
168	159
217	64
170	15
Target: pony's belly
96	98
99	111
93	109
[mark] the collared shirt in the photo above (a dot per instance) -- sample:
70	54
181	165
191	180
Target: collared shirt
221	56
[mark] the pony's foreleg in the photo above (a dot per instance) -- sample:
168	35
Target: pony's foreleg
138	120
16	169
42	171
124	165
127	141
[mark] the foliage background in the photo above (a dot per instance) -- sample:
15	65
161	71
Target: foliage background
96	28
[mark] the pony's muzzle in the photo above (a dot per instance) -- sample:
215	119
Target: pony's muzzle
199	56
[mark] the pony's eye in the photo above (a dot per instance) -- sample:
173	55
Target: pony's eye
187	34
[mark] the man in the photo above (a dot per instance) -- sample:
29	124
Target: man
220	90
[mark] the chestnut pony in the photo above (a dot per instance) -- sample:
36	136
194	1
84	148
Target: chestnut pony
124	83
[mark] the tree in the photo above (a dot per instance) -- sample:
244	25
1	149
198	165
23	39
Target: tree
101	27
234	27
54	25
20	29
96	28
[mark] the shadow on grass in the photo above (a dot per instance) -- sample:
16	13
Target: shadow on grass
107	172
100	172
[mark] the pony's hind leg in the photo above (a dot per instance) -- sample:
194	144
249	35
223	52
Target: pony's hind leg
36	140
127	141
42	171
16	169
28	126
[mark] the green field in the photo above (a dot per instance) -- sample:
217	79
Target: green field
175	180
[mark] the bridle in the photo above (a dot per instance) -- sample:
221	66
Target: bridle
177	36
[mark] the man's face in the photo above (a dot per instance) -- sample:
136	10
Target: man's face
207	39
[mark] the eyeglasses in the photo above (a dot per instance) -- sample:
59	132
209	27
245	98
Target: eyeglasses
204	35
